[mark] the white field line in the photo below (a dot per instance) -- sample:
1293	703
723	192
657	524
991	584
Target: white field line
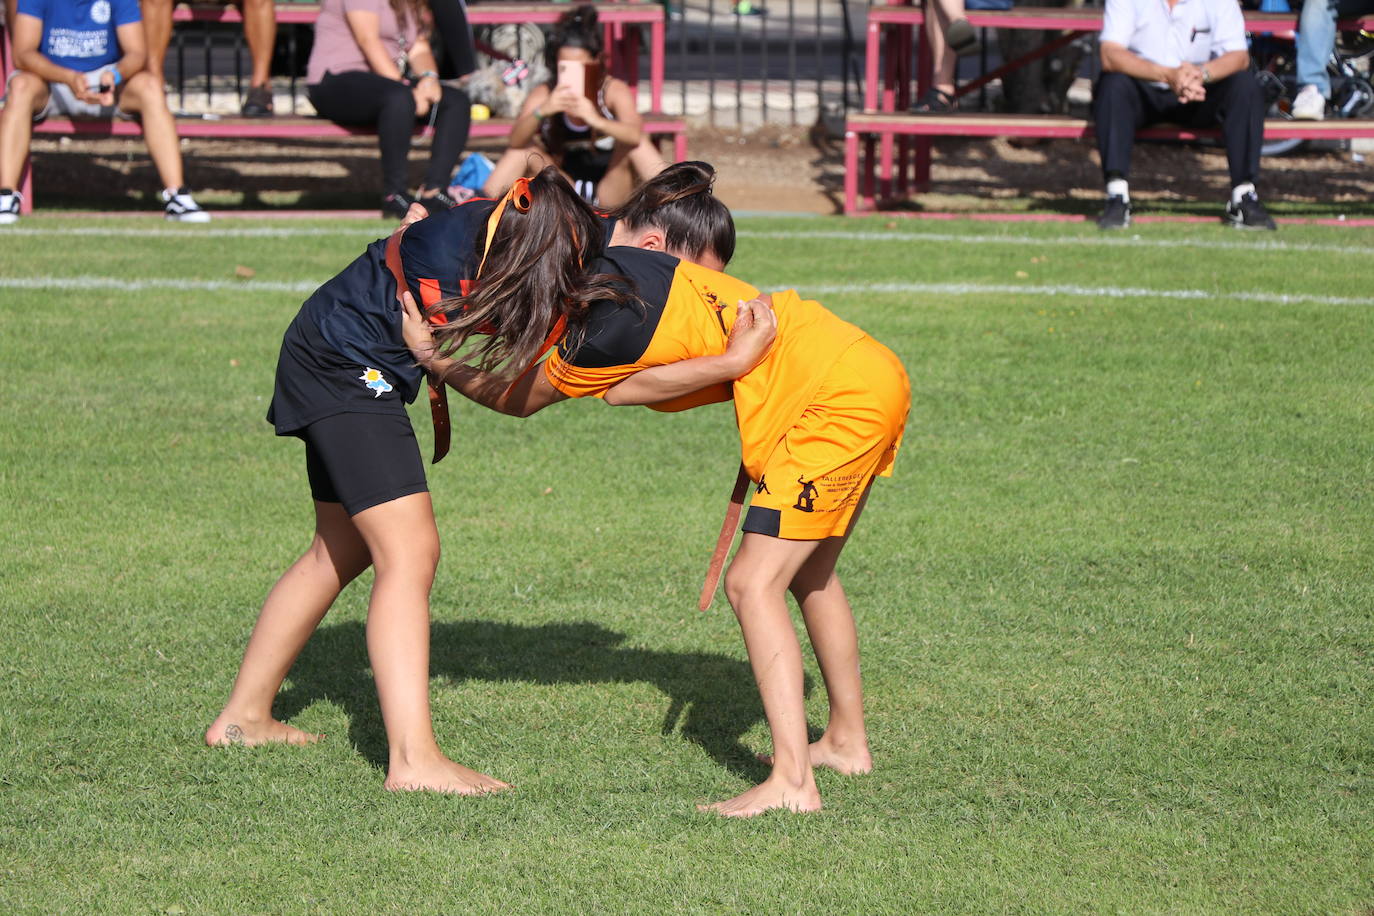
258	232
1087	292
1102	241
117	284
838	235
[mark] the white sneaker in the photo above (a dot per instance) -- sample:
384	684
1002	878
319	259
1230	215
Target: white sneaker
181	208
9	206
1308	105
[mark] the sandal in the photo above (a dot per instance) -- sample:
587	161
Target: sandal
936	101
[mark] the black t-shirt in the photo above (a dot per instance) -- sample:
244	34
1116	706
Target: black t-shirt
357	313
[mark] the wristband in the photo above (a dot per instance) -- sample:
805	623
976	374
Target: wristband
116	76
1206	75
538	115
425	73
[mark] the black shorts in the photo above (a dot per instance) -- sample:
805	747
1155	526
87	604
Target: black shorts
362	459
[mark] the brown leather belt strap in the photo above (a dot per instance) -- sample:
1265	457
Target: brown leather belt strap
727	536
438	396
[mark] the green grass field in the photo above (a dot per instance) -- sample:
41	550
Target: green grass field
1115	606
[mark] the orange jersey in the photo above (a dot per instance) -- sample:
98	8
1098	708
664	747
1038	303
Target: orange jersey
687	311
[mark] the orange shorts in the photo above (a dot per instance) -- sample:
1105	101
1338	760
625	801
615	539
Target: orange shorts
812	483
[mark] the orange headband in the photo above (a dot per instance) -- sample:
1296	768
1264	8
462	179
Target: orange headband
519	194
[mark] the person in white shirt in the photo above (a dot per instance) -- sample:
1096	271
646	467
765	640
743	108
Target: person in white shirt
1184	61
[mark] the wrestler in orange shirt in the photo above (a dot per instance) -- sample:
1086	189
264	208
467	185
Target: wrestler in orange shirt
821	408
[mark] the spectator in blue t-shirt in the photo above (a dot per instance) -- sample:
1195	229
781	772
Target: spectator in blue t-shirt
84	59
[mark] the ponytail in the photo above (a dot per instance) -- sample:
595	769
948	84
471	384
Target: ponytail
678	201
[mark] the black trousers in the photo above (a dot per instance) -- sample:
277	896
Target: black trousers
361	97
1122	105
455	36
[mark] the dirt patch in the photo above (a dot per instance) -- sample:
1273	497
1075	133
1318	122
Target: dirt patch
782	170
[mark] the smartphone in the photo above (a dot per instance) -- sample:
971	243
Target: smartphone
572	74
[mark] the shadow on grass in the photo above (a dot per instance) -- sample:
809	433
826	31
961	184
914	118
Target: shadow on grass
712	695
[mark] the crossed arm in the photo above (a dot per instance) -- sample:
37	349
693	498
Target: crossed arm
750	339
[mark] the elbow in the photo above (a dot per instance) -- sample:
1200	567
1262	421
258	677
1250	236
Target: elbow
615	399
520	411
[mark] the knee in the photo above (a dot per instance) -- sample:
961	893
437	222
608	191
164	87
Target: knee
399	99
1244	92
345	560
143	86
417	564
1112	90
744	586
25	86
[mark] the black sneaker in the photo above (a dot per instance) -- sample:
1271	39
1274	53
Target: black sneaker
396	206
1116	215
1248	214
179	207
258	102
437	202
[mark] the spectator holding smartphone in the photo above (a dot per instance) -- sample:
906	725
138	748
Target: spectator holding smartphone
582	121
85	59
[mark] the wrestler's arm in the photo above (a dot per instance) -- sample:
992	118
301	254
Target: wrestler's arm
527	394
750	337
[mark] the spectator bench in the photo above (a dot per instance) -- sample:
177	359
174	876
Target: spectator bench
863	189
895	159
614	15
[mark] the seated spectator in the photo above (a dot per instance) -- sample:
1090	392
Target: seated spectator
1316	41
1184	61
85	60
259	28
598	145
354	78
950	37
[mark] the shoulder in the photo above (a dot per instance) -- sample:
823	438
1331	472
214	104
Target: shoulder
617	333
38	9
376	7
649	274
126	12
447	237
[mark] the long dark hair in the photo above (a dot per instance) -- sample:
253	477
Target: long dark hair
577	28
535	273
678	200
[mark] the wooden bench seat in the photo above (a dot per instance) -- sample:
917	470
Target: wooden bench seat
887	126
281	127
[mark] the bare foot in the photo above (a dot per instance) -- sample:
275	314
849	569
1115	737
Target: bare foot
439	774
230	730
767	795
826	753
